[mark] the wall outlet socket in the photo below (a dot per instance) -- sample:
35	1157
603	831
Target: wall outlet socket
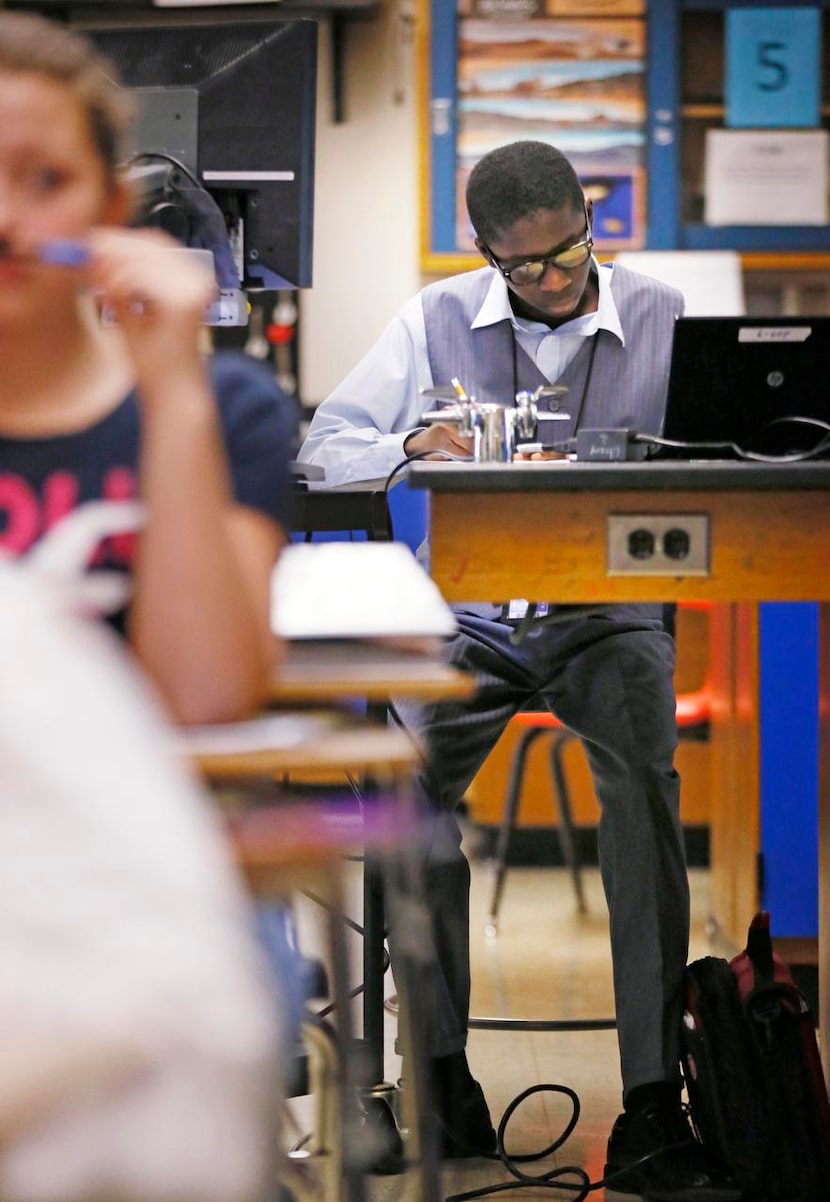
658	544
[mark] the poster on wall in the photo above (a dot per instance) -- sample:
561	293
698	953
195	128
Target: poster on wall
571	74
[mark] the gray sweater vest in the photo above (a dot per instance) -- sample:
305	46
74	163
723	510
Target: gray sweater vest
627	385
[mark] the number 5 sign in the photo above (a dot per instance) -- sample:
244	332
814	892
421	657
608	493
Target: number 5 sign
772	67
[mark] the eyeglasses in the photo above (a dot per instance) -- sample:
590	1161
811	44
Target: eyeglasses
532	271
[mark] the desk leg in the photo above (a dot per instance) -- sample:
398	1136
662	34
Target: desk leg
393	892
409	914
353	1181
374	936
824	836
373	970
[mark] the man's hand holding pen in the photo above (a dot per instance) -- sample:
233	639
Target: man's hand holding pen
440	438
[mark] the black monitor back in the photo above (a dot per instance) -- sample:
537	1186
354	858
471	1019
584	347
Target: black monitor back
241	98
748	381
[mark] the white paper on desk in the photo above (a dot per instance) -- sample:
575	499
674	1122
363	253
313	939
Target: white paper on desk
766	177
266	732
355	590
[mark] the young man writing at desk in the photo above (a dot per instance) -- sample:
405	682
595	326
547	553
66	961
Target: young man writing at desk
543	311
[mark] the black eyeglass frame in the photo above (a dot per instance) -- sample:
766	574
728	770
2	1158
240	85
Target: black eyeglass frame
545	261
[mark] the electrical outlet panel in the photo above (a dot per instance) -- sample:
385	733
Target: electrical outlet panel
658	544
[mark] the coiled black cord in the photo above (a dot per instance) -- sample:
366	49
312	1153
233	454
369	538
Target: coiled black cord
580	1187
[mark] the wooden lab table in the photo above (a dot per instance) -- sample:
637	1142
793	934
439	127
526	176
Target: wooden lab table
541	531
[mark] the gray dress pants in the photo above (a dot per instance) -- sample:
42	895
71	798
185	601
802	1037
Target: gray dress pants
609	677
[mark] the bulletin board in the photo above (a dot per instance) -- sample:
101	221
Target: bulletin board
568	72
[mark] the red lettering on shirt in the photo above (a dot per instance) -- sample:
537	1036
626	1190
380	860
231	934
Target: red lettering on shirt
20	504
60	496
25	516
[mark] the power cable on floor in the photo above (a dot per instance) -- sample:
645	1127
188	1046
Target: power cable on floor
578	1189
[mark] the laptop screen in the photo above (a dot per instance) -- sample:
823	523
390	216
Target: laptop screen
761	383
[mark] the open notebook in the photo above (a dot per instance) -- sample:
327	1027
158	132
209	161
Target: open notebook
360	590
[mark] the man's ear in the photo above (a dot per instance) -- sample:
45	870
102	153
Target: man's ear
483	251
589	209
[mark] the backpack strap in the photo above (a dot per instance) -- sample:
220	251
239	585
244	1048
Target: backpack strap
759	947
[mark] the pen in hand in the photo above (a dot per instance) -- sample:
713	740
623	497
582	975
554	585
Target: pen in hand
63	252
459	389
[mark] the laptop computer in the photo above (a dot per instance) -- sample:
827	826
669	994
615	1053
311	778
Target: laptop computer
760	383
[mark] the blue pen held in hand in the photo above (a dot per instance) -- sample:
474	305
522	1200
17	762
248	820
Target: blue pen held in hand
67	252
63	252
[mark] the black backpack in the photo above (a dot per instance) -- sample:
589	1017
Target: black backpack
753	1074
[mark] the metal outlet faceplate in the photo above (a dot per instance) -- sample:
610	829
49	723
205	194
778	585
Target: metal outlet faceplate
657	544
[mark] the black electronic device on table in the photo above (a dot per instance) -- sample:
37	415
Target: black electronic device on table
760	383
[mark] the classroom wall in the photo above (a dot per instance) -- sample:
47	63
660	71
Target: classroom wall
366	200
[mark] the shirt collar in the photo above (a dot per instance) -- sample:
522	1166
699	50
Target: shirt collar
496	307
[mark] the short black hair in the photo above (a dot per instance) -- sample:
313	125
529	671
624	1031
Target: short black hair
517	180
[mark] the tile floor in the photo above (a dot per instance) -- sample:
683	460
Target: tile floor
547	961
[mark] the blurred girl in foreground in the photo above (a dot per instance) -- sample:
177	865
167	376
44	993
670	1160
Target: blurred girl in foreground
132	408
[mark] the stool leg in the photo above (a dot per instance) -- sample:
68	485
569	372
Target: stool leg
566	827
508	821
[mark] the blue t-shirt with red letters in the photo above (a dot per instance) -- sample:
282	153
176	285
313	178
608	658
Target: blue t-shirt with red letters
44	479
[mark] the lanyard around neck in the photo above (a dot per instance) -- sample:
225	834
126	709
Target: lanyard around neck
591	357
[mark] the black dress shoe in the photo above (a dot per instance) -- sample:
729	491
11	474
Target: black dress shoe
467	1130
653	1153
464	1123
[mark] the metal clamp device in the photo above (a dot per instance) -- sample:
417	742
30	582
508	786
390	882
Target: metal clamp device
498	431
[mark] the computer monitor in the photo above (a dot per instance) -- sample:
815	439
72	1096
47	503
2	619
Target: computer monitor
762	383
234	103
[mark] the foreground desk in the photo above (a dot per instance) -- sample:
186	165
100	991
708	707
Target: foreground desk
331	673
338	672
541	531
286	846
335	671
271	746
